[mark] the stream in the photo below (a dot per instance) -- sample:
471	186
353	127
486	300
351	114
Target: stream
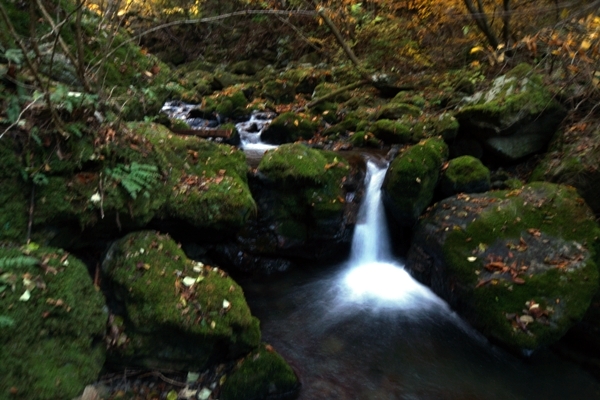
365	329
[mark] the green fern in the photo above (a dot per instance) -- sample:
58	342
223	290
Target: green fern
14	262
135	178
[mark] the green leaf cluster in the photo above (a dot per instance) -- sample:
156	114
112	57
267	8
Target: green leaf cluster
135	178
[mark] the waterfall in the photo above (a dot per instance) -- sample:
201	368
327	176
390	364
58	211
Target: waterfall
371	239
373	278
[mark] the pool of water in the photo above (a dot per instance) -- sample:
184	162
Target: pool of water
366	330
348	347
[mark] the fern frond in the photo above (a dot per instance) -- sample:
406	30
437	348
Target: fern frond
135	178
15	262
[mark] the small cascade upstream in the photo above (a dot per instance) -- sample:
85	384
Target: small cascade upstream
249	130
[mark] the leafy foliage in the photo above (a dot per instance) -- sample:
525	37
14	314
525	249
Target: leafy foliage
16	262
136	178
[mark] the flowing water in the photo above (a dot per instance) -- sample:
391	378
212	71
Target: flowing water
366	330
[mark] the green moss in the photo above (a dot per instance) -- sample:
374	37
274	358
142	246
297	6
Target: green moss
288	128
397	111
262	374
411	179
444	125
504	221
465	174
308	194
518	93
48	353
410	98
365	139
391	132
300	163
14	206
188	326
278	91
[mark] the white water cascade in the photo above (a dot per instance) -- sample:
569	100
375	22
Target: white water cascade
373	278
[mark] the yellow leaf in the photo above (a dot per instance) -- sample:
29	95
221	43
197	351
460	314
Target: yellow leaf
585	45
476	49
296	122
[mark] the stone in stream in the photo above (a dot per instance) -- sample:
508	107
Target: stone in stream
52	322
411	180
464	174
520	265
263	374
305	210
174	313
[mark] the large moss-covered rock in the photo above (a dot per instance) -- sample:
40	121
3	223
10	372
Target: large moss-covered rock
177	314
520	266
288	128
391	132
395	110
411	180
52	322
142	173
464	174
302	208
263	374
573	159
516	117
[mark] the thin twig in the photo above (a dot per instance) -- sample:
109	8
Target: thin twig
18	119
31	209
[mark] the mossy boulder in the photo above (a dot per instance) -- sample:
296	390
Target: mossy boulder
178	314
263	374
288	128
464	174
516	117
573	159
145	172
391	132
411	179
52	322
394	110
302	208
278	91
246	67
444	125
306	78
520	265
231	103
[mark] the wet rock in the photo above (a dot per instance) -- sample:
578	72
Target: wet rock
464	174
287	128
391	132
304	209
411	180
263	374
573	160
514	118
177	314
520	265
52	321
